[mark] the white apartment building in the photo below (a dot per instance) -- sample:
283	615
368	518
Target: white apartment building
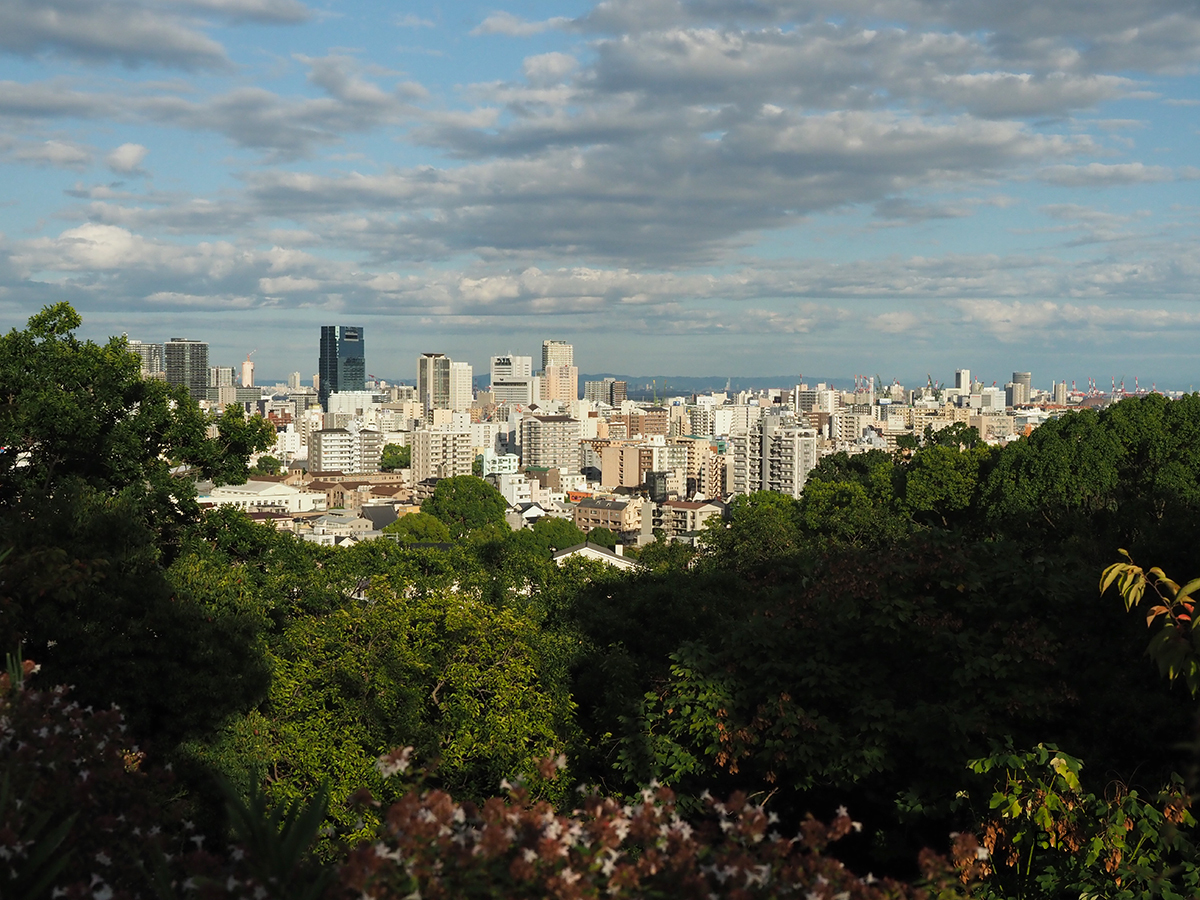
776	456
550	442
441	453
462	391
500	463
353	451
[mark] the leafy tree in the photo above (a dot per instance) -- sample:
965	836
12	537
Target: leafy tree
418	527
554	533
941	482
602	537
266	465
466	503
395	457
477	467
93	504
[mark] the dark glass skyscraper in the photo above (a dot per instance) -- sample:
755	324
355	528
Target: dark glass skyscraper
343	362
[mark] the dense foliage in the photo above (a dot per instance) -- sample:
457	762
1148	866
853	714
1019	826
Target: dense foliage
919	638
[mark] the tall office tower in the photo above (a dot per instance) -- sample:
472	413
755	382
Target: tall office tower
433	381
462	391
513	379
1022	386
248	372
560	383
557	353
220	376
962	380
151	356
343	362
294	381
186	363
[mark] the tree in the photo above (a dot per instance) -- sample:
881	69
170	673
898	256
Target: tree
94	500
554	533
465	504
395	458
477	467
602	537
266	465
417	528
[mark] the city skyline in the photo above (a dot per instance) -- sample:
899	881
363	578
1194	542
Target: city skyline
703	189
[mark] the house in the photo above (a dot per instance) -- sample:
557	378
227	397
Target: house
598	553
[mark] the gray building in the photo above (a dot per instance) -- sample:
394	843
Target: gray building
186	363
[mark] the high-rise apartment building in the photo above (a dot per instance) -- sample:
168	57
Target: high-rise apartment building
350	451
438	453
220	376
343	362
1060	393
433	381
186	363
247	372
550	442
151	356
560	383
776	455
462	392
557	353
608	391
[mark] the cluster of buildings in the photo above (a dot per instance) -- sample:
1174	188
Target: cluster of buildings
593	455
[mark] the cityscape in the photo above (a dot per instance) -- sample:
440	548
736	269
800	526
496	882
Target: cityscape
553	446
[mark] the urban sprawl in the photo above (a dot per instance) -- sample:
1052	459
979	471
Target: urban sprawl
639	469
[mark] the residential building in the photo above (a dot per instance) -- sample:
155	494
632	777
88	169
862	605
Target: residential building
438	453
346	450
265	495
186	363
622	517
462	391
595	552
550	442
343	364
776	455
609	391
151	357
557	353
560	383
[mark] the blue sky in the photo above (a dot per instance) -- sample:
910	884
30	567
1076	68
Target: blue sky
693	188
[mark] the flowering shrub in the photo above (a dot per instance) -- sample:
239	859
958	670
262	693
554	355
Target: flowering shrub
432	847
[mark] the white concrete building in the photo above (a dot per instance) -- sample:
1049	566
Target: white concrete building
265	496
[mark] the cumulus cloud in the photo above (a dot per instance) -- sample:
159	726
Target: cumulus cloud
127	159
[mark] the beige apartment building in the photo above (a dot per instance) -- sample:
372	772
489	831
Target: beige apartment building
622	517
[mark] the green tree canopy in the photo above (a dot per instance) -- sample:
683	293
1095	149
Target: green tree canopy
465	504
395	457
417	528
266	465
554	533
602	537
96	488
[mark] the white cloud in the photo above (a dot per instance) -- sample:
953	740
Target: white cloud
127	159
507	24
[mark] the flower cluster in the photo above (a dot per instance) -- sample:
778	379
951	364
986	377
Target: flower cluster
433	847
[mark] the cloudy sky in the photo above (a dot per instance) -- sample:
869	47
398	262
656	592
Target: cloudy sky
692	187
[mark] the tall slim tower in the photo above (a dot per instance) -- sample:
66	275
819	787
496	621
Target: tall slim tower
186	363
343	362
433	381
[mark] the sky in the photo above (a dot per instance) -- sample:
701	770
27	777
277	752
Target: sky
717	187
